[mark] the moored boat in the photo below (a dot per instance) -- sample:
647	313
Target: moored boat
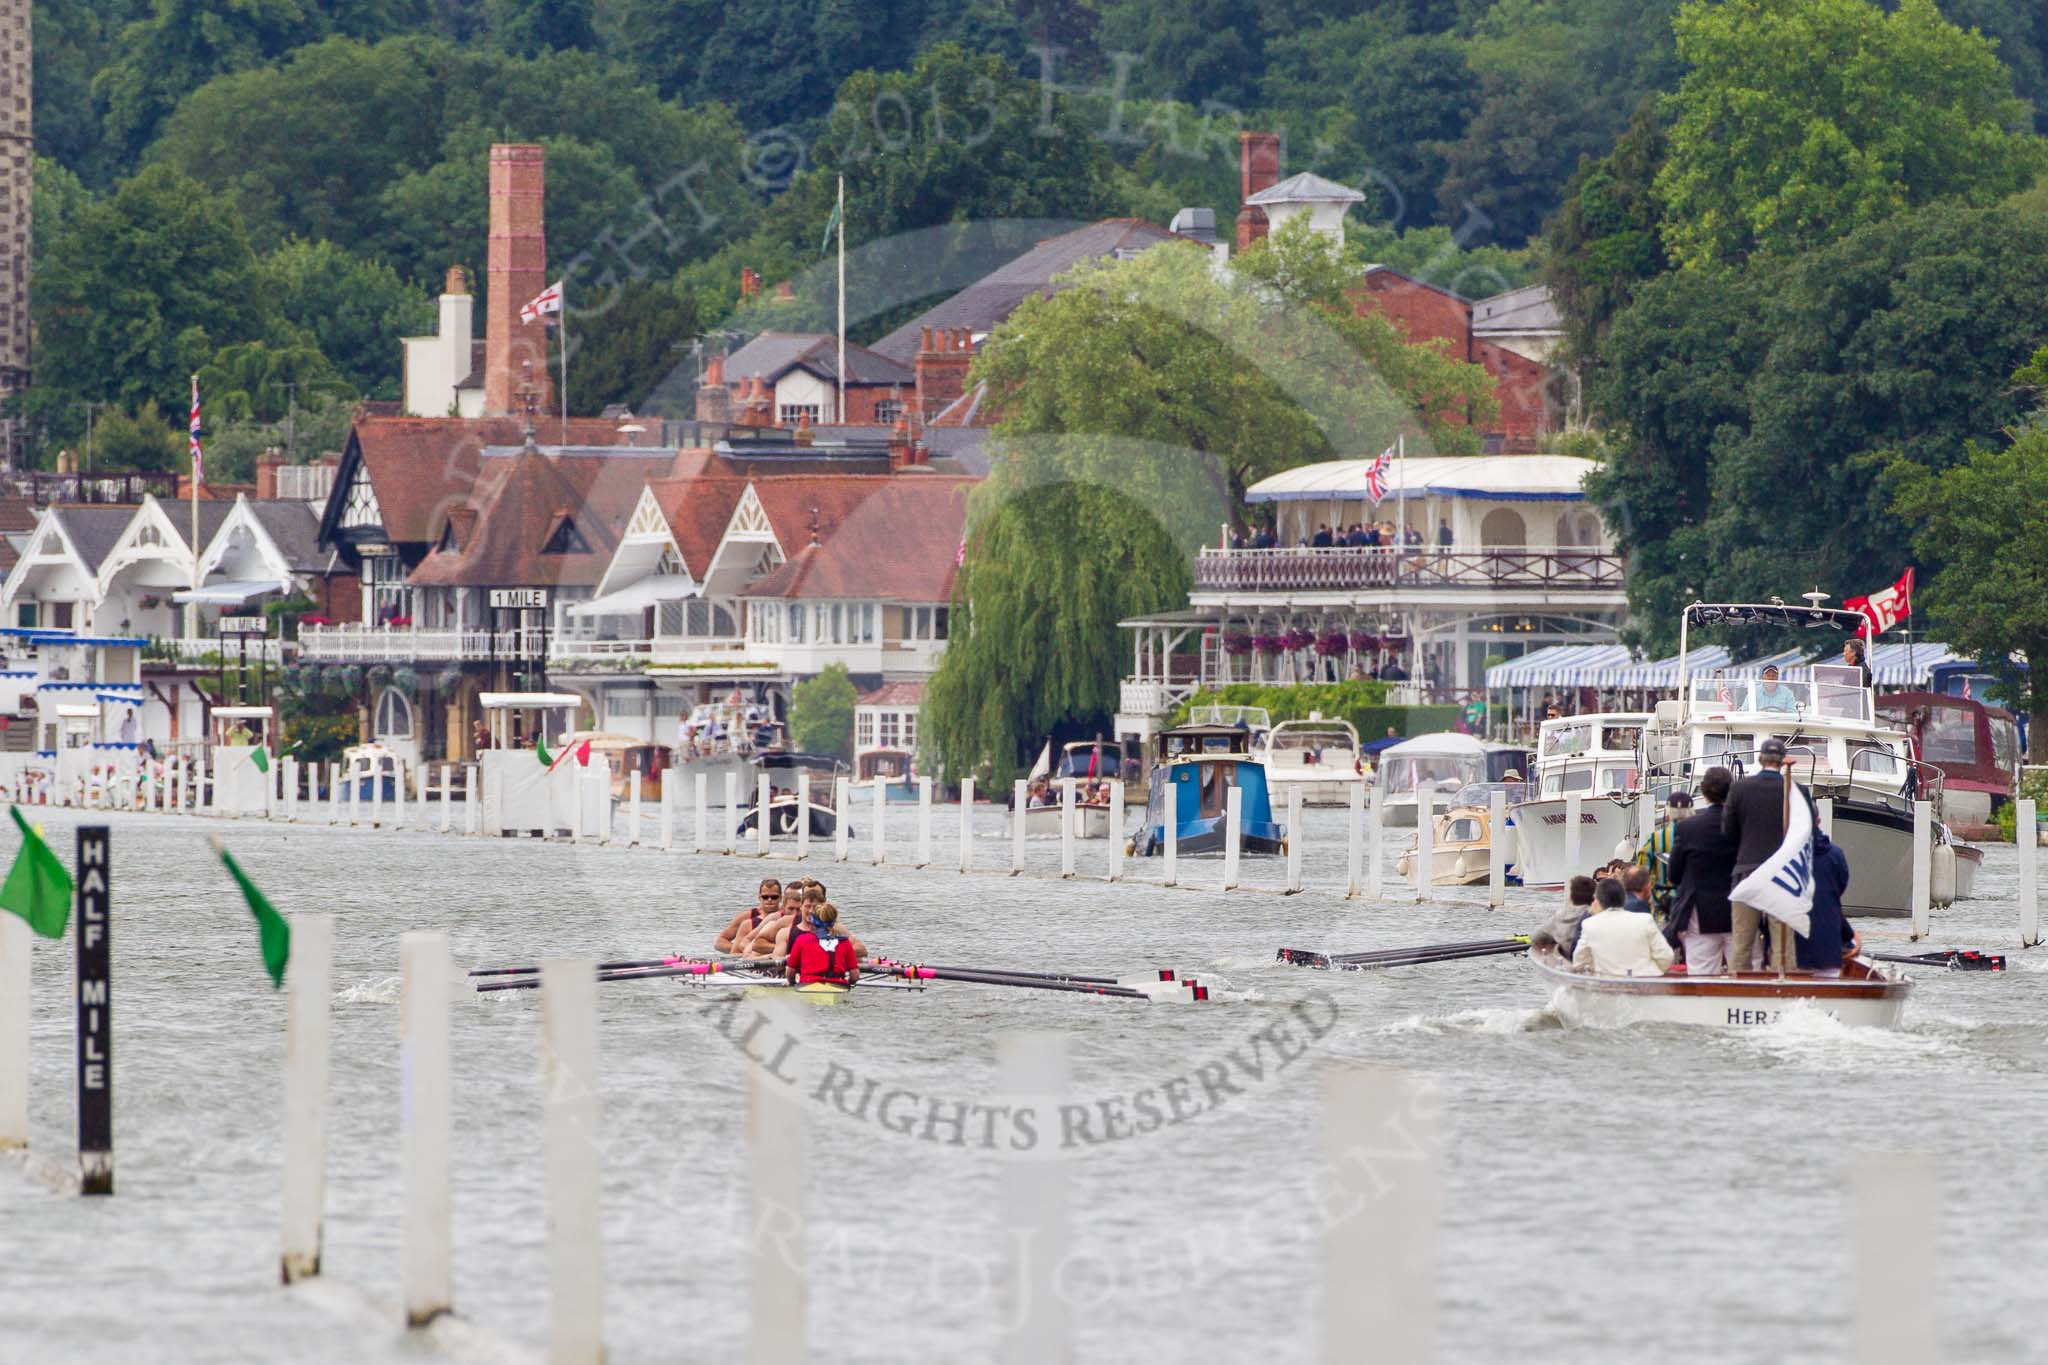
1865	994
1462	839
1319	756
1197	766
786	806
1599	758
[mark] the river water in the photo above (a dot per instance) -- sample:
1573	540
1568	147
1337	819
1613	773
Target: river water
1607	1195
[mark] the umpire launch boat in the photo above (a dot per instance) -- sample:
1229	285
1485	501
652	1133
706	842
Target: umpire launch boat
1864	995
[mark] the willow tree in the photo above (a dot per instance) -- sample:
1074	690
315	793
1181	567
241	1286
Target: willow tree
1138	404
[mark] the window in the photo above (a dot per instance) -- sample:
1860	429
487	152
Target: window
394	715
791	414
796	623
889	411
891	734
668	705
625	704
669	619
864	729
25	615
861	617
566	540
910	729
149	535
940	623
450	543
60	615
924	623
384	587
838	623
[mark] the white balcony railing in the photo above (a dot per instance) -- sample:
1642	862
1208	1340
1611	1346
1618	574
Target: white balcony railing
394	644
212	650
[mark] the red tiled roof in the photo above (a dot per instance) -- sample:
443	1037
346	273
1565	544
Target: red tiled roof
17	514
420	467
791	500
895	694
900	543
697	511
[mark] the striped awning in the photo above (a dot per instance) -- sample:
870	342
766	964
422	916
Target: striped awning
1562	666
1903	665
1664	673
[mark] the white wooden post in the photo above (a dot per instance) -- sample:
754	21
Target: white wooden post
398	800
288	779
1923	866
668	813
1375	852
764	826
355	797
579	795
426	1253
633	809
1497	850
597	784
1233	834
1894	1216
881	806
842	819
447	798
967	823
1116	829
310	983
803	805
569	1132
924	821
1170	829
472	799
703	820
376	800
1017	800
732	812
1294	833
174	770
1827	815
1038	1213
1380	1268
1425	845
1574	810
2030	874
776	1126
16	941
1067	828
334	794
1354	842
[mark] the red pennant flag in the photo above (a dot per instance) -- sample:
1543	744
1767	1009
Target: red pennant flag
1886	608
583	753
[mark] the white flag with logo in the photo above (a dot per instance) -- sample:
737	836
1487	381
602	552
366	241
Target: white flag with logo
549	300
1782	885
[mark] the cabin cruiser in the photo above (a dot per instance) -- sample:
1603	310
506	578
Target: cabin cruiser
1190	784
1599	758
1461	847
1976	747
1091	765
372	772
786	805
717	738
1319	756
1442	763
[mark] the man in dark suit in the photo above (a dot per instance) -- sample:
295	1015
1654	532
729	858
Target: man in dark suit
1702	868
1755	817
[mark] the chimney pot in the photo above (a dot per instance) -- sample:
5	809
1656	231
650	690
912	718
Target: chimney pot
457	282
785	292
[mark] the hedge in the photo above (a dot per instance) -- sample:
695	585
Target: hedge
1363	702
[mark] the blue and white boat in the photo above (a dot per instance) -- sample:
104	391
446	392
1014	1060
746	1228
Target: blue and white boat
1197	766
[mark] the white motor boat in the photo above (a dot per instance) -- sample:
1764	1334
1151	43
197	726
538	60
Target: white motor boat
1091	820
1318	756
1599	758
1461	846
1441	763
1865	994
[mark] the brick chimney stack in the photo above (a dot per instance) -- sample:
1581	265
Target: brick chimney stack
267	465
1258	168
17	146
517	272
943	355
714	399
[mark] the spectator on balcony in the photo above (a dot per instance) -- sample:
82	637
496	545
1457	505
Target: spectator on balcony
1324	540
1236	539
1264	539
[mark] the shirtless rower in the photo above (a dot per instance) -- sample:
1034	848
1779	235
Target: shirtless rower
820	953
748	920
769	937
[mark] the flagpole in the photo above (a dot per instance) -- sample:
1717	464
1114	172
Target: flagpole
840	214
562	338
192	608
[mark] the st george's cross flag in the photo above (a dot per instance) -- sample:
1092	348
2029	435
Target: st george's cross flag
1376	476
1782	885
1886	607
548	300
198	475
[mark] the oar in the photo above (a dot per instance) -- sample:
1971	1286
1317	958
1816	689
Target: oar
1307	957
1154	991
1961	960
1425	959
670	967
602	966
1134	979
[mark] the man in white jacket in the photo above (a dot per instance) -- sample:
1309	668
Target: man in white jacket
1616	942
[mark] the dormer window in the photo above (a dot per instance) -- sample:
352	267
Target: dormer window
566	540
450	542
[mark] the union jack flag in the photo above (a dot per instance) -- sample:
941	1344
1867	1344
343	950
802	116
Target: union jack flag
197	473
1376	476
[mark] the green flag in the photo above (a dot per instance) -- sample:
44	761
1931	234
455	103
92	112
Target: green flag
37	886
831	223
275	933
540	751
261	758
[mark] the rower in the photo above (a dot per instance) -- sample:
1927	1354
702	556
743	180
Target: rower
819	953
771	937
743	925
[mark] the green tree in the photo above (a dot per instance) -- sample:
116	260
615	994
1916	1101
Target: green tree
144	440
1801	120
1607	241
622	344
531	27
1981	521
821	713
353	309
146	287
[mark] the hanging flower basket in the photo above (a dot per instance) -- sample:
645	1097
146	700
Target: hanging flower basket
1363	642
350	676
379	674
1267	644
1330	643
315	621
405	680
1237	642
1297	639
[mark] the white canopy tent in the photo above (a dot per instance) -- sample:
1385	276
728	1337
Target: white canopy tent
1494	478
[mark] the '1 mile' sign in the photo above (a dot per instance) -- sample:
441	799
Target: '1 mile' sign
519	597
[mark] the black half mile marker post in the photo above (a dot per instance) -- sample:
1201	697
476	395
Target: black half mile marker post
95	1017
